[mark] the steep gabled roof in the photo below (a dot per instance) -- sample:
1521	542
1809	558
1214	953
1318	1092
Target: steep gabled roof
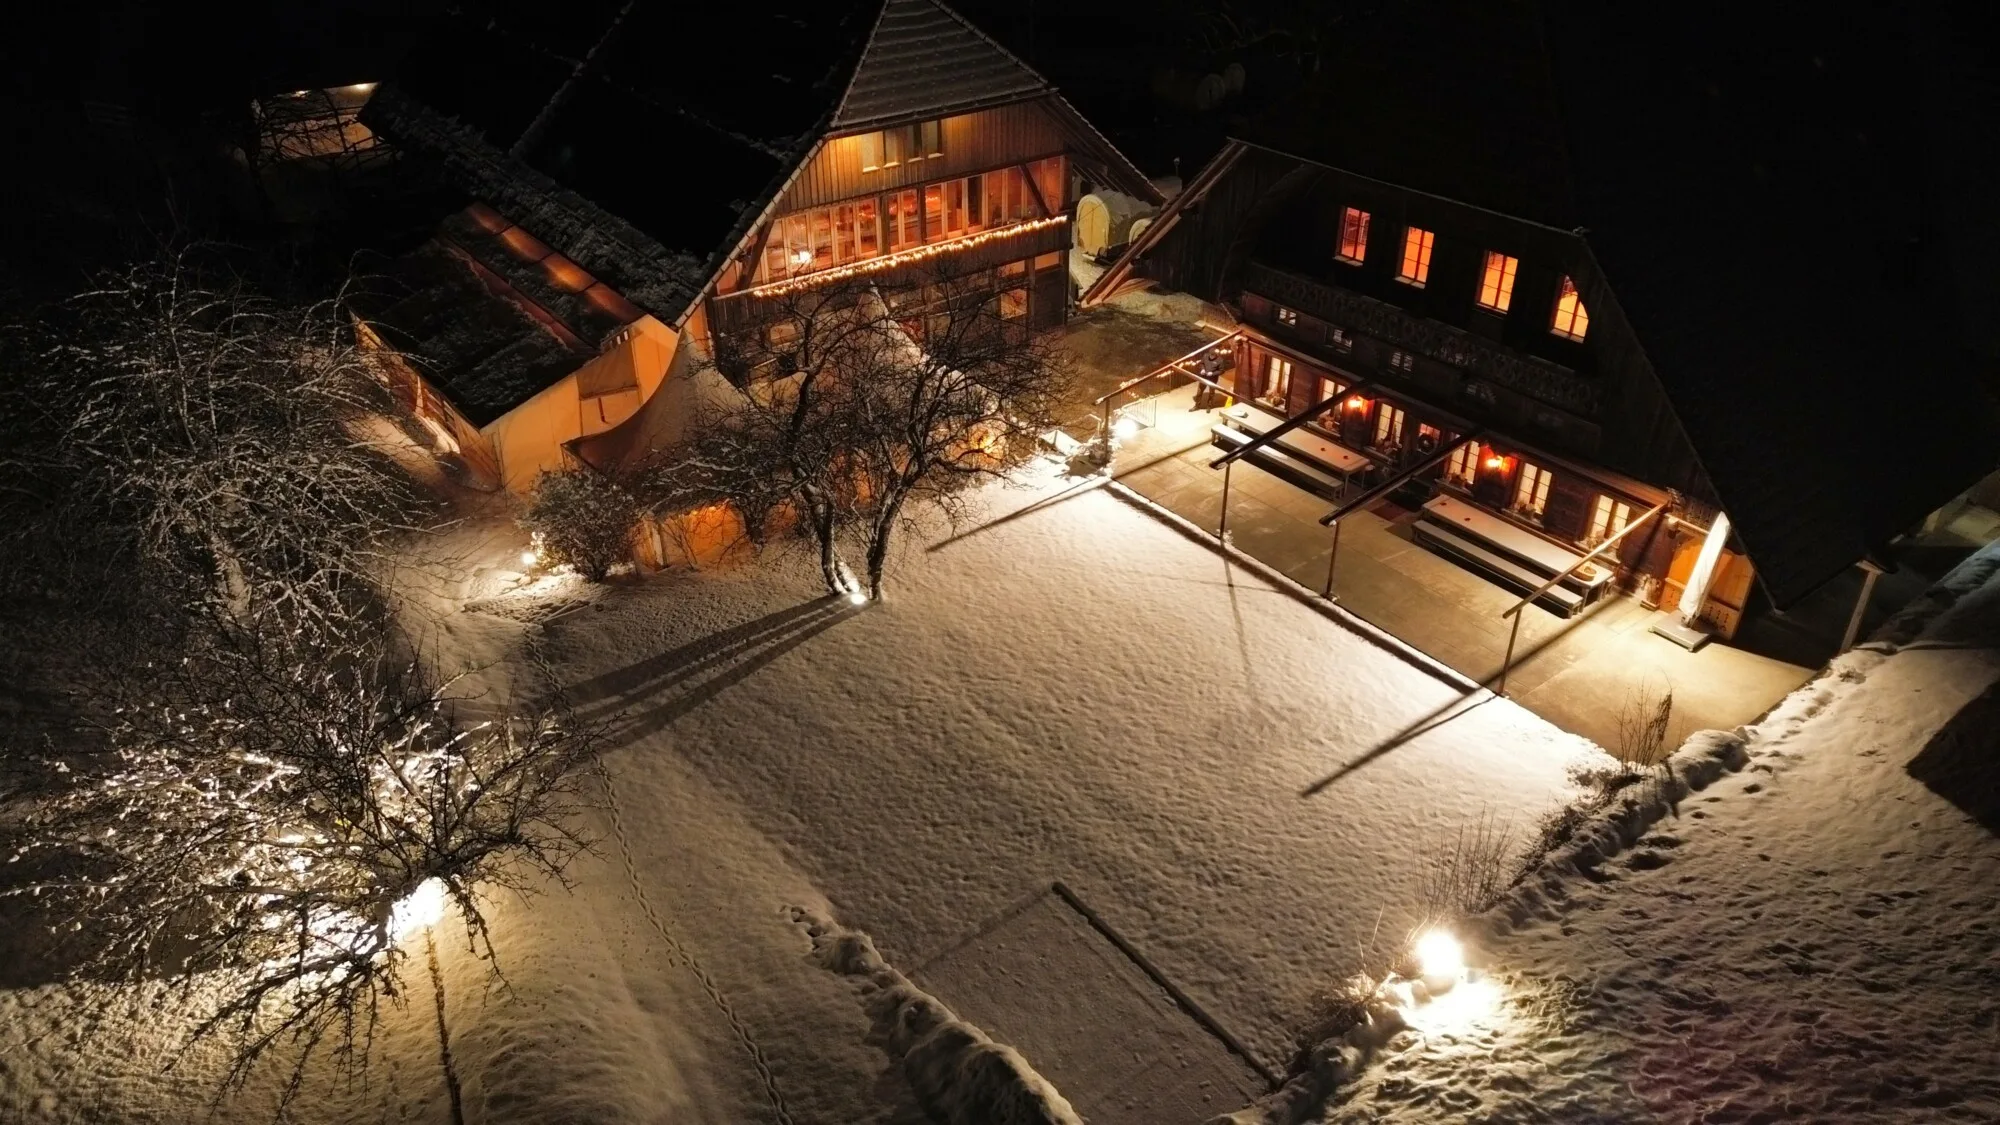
1795	240
924	59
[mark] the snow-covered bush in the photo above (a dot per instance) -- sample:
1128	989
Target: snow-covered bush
583	519
959	1075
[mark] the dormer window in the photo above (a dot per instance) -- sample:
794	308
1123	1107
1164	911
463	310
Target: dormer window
1339	338
1496	281
903	144
1415	269
1288	317
1353	236
1571	319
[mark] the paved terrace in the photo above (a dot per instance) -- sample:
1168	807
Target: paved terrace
1577	673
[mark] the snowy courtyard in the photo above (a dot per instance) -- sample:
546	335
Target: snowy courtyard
1068	691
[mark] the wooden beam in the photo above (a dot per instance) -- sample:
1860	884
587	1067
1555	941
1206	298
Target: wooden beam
1037	190
1596	551
1333	518
1288	425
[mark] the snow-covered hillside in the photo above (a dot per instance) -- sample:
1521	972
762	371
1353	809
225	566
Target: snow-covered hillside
1815	938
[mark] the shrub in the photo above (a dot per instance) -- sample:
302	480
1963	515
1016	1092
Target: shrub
584	520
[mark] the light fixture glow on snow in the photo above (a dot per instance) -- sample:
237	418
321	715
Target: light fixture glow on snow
1125	428
1440	958
529	558
420	908
857	598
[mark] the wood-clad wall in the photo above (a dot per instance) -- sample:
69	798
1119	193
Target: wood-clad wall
973	142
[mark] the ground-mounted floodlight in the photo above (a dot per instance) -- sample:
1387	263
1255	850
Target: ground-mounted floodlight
1440	960
419	910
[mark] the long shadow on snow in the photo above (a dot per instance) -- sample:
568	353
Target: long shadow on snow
664	669
675	682
1961	762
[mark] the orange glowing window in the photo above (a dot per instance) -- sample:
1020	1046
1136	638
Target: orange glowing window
1608	518
1572	320
1531	491
1353	235
1388	427
1416	267
1496	281
1464	464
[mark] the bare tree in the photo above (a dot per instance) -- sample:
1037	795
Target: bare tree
282	826
964	398
782	445
865	401
176	429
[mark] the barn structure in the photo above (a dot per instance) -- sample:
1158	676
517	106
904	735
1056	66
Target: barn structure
640	177
1550	282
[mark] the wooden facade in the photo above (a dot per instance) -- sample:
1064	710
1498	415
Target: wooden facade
1577	435
902	148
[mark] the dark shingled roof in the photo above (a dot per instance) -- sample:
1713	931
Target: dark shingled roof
474	344
925	59
1784	208
681	120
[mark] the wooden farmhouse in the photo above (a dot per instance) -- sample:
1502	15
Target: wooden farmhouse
1551	278
638	177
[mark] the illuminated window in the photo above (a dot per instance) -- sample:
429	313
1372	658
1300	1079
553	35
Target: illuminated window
900	145
1531	491
1013	304
1608	519
1463	468
1052	179
1388	426
1353	235
1572	320
900	218
1339	338
1329	388
1401	361
1416	267
1287	317
1049	260
1496	282
1277	378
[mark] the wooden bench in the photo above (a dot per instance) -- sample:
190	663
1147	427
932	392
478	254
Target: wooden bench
1511	555
1501	569
1282	463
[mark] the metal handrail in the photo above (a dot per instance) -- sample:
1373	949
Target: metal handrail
1393	482
1288	425
1578	564
1171	365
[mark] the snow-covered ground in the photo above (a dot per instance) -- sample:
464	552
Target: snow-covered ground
1069	690
1816	937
